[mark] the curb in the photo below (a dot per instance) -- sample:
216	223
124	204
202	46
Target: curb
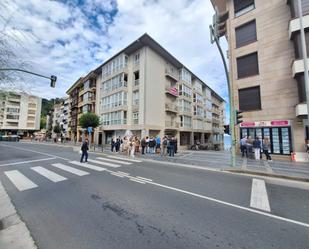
240	171
14	233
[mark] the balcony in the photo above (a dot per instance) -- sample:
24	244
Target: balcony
14	99
301	110
171	108
216	130
216	111
294	25
215	120
198	116
298	67
172	74
171	125
172	91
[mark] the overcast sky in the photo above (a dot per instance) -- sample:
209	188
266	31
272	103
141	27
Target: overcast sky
70	38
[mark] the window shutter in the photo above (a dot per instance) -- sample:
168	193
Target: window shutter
245	34
241	4
249	99
247	65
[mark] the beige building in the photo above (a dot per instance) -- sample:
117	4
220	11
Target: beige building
266	69
145	90
19	113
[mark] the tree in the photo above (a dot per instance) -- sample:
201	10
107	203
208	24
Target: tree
43	122
89	119
57	129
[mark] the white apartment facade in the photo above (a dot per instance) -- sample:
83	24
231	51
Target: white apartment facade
19	113
60	116
146	90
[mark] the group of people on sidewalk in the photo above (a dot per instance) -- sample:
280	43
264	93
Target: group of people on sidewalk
147	145
248	146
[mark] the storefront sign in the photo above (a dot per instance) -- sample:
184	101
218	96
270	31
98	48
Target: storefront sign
174	91
272	123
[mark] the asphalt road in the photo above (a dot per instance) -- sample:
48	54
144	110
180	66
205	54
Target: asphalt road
148	204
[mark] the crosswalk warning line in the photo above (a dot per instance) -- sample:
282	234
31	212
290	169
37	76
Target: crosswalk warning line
50	175
126	159
88	166
70	169
20	181
259	198
104	163
112	160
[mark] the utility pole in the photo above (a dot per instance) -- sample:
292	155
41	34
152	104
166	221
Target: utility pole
304	54
52	78
218	29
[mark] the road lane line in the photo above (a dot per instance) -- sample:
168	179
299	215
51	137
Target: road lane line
34	151
143	178
20	181
112	160
70	169
126	159
232	205
50	175
124	173
119	175
259	198
31	161
88	166
104	163
136	180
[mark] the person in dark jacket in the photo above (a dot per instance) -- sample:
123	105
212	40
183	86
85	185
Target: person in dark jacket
257	148
84	150
143	144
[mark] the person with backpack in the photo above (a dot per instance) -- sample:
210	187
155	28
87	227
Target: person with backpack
84	150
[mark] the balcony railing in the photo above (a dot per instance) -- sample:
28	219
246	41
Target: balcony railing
172	124
173	91
172	74
171	108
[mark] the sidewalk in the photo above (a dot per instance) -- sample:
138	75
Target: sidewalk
217	160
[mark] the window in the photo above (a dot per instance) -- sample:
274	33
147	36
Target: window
15	110
243	6
135	97
249	99
185	106
135	117
197	98
114	100
9	116
136	78
185	76
245	34
185	91
247	65
136	58
114	118
185	121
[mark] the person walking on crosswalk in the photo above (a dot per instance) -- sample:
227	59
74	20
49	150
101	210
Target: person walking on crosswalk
84	150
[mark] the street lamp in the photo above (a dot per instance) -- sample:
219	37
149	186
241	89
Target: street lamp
52	78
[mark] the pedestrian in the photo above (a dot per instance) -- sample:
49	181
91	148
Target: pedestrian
257	148
84	150
249	146
164	146
266	148
176	145
171	145
152	145
137	144
113	143
243	149
144	145
158	144
147	144
132	146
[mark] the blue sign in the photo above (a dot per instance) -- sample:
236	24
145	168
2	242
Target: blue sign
89	129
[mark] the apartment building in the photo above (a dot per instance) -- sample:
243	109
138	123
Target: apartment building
82	99
60	116
19	113
146	90
267	72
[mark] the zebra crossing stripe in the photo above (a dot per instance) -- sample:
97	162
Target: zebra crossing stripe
50	175
20	181
104	163
70	169
126	159
88	166
112	160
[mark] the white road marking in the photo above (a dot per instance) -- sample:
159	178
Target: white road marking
31	161
124	173
119	175
259	198
70	169
233	205
88	166
34	151
50	175
20	181
136	180
143	178
104	163
112	160
126	159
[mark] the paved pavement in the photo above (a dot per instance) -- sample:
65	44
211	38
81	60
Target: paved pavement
117	202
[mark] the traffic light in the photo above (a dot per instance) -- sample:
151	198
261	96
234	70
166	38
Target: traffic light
238	117
227	129
53	80
219	24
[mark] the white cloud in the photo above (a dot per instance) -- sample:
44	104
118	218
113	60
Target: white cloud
59	38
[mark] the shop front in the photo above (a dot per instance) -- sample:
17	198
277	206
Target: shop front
278	131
